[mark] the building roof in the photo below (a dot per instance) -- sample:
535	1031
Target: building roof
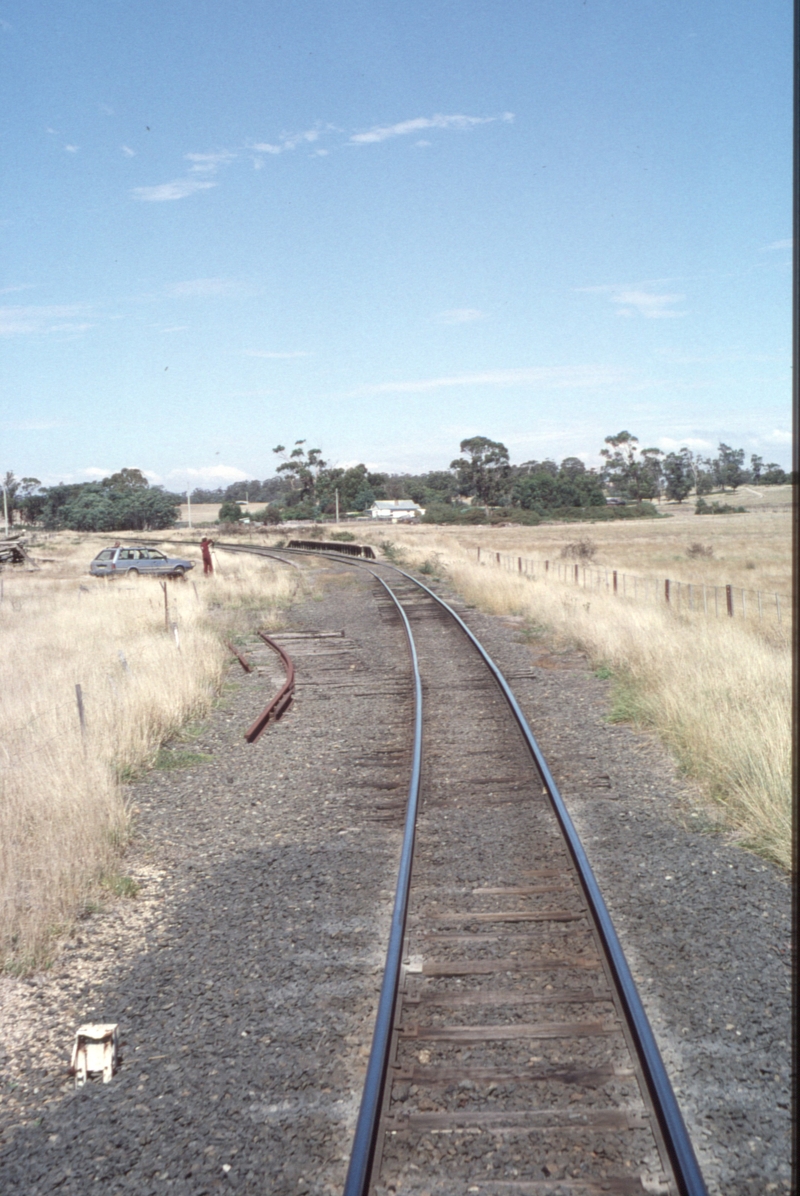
397	504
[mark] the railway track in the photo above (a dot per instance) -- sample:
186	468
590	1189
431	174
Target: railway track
511	1053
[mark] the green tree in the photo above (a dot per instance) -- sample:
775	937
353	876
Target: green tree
485	473
126	479
729	467
773	475
229	512
756	466
631	472
678	474
302	468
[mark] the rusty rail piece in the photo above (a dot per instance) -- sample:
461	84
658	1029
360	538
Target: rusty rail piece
280	703
243	661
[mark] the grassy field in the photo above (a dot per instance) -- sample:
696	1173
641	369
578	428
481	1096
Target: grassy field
717	691
63	817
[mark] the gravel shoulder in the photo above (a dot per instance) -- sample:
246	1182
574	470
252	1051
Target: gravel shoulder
244	975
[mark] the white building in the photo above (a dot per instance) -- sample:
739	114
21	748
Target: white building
396	509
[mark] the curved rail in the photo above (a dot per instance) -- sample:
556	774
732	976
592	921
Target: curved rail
676	1138
277	705
687	1171
361	1156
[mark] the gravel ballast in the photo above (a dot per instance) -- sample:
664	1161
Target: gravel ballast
244	975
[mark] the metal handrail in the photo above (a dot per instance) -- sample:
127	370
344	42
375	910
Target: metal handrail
363	1151
676	1137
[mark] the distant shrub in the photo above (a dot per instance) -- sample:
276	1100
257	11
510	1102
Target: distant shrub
716	508
580	550
697	549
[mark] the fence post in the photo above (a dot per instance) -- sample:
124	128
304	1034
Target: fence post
519	564
716	603
577	576
479	555
166	606
547	566
666	588
615	581
81	714
729	599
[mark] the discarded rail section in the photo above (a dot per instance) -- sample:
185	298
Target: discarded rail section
282	699
511	1051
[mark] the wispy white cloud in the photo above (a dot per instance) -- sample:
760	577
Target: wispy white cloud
25	320
779	436
634	300
274	356
72	149
94	471
419	123
127	151
202	288
542	377
33	425
209	163
669	445
461	315
210	473
176	328
177	189
644	303
780	244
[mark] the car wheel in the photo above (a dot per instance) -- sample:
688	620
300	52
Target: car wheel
133	573
179	572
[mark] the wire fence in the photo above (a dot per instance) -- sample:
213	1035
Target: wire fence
722	601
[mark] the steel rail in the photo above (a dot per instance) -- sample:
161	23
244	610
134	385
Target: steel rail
676	1138
366	1135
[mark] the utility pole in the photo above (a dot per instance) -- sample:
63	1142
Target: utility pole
189	505
5	507
337	505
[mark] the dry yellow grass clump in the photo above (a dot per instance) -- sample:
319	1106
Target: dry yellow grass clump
717	691
62	808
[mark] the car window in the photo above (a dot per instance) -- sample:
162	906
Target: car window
156	556
105	555
126	554
142	554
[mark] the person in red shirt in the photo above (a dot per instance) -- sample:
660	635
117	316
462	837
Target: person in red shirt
205	547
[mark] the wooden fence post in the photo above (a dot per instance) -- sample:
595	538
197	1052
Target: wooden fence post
615	581
81	713
729	599
666	588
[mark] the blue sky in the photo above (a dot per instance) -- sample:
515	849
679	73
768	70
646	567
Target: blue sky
387	226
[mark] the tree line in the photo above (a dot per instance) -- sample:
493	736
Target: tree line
305	486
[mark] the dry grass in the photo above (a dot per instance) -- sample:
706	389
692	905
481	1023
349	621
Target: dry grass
62	809
718	692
